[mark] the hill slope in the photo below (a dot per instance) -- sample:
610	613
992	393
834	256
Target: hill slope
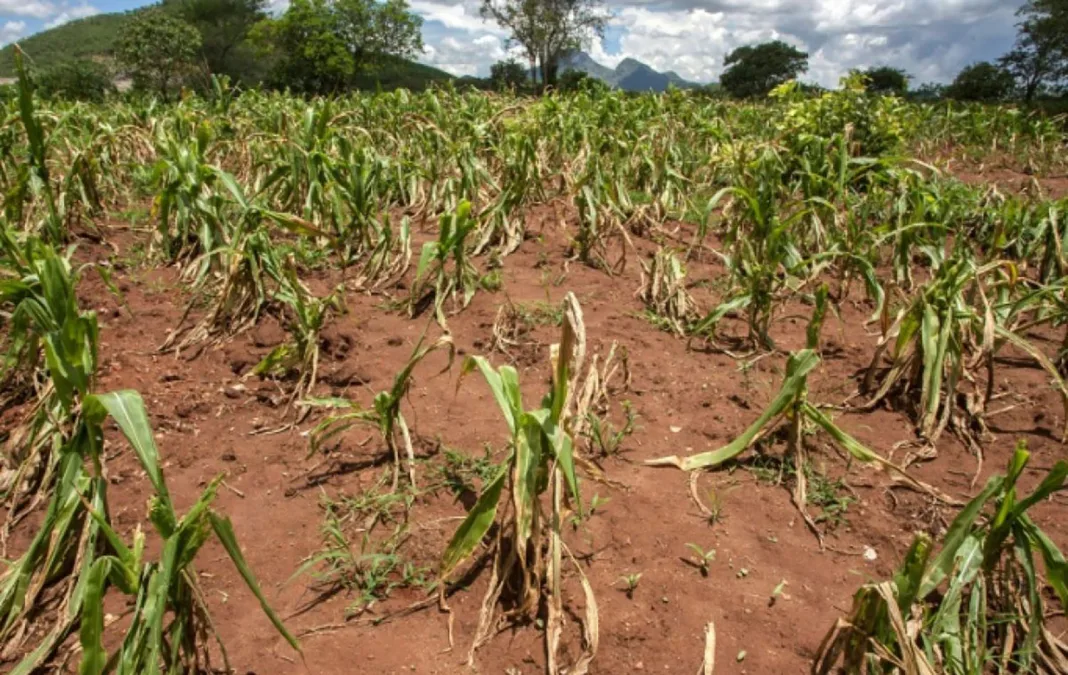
89	38
95	37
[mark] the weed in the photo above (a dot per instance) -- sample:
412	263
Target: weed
603	437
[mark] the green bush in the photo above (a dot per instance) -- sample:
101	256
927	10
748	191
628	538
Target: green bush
576	80
75	81
871	124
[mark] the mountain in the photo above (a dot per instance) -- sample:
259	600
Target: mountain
629	75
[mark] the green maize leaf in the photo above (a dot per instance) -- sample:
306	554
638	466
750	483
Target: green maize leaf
278	360
431	251
797	370
931	390
327	402
955	537
712	319
910	574
503	384
224	530
1024	654
474	526
35	659
94	656
127	408
563	450
230	183
1052	558
861	452
529	458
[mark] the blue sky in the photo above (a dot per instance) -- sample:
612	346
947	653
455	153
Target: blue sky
931	39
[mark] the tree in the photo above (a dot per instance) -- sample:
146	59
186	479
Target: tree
157	50
223	25
756	70
929	91
548	30
79	80
577	80
1040	58
982	81
508	74
320	45
887	81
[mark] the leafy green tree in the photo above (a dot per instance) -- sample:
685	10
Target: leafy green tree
756	70
224	26
80	80
548	30
508	74
886	80
319	46
157	50
929	91
1039	60
982	81
577	80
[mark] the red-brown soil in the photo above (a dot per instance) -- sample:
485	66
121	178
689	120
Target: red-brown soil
687	400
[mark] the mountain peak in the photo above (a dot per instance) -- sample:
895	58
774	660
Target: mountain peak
629	74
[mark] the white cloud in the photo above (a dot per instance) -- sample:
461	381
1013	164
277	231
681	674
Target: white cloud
72	13
463	15
11	31
34	9
931	39
463	55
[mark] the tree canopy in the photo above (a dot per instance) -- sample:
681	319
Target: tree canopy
158	50
77	80
982	81
1039	60
547	30
505	75
754	70
886	80
318	46
223	25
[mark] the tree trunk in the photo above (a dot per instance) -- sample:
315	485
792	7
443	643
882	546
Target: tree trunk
551	69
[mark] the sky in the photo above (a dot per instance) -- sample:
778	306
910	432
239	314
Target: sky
930	39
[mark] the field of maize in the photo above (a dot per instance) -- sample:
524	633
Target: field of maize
589	383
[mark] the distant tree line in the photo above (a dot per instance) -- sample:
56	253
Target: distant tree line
314	47
1037	65
327	46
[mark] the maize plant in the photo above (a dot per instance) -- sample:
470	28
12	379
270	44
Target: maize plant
45	320
385	413
36	180
764	260
791	406
77	557
304	316
663	290
977	605
939	339
445	271
527	553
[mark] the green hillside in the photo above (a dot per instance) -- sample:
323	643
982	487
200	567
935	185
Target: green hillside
88	38
396	73
95	37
